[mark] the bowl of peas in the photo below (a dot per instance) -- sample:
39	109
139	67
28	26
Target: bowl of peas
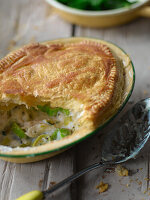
100	13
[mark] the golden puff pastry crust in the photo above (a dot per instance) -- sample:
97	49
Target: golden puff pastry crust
80	74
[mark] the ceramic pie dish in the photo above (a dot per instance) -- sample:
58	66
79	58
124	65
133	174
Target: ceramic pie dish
106	18
86	81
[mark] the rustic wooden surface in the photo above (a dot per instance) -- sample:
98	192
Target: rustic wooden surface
24	21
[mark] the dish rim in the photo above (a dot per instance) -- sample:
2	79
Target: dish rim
89	134
75	11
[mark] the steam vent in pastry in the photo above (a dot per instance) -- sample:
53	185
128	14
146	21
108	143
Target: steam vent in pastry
55	92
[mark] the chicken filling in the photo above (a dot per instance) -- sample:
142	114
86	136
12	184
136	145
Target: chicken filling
22	127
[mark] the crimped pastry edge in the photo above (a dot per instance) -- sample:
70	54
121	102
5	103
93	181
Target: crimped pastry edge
86	130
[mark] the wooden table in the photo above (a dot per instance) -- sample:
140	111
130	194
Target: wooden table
24	21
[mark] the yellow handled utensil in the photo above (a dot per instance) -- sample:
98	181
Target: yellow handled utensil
33	195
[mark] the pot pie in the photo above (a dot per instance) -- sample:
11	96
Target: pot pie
50	91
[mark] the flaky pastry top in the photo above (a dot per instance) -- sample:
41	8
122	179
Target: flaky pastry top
79	74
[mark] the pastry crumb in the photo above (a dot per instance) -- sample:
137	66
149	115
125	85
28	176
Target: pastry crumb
52	182
102	187
122	171
127	185
146	179
140	182
40	183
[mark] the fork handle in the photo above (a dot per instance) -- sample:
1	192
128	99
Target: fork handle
73	177
39	195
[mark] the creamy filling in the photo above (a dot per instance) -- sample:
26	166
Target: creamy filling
22	127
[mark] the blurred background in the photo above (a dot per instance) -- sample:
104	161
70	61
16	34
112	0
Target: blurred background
26	21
